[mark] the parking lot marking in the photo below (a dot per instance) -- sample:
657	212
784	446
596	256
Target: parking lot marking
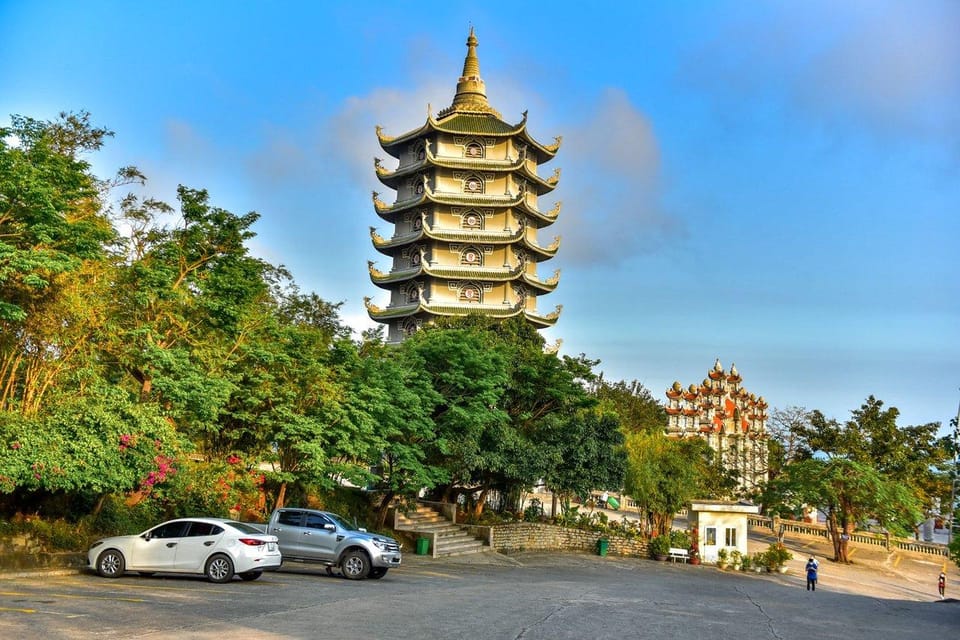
71	595
436	574
18	610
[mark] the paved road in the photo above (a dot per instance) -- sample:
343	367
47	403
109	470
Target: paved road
531	596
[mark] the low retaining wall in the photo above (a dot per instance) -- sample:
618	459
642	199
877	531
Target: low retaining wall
533	536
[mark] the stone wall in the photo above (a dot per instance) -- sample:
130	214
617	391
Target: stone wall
532	536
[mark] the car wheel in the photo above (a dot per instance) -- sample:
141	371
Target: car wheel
250	575
377	572
110	564
219	569
355	565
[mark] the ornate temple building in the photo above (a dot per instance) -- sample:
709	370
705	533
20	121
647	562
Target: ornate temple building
731	420
465	219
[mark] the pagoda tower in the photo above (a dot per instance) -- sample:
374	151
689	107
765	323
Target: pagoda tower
465	218
732	420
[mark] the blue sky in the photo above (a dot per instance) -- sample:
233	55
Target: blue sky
776	184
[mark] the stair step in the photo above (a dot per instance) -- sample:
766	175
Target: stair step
450	539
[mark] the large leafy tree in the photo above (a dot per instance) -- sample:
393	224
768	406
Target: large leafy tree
868	450
592	454
467	370
185	303
53	236
914	456
395	392
848	492
664	474
633	404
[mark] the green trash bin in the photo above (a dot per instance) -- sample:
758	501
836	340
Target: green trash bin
423	546
602	546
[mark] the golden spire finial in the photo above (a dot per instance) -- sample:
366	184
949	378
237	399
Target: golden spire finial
471	92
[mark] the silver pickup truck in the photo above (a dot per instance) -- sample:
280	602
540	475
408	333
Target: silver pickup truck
308	535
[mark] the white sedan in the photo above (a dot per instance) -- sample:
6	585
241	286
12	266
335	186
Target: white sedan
215	547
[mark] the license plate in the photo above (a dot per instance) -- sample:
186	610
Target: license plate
271	546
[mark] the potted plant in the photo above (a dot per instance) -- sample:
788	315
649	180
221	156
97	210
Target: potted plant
759	561
747	563
660	547
694	555
722	558
777	557
736	559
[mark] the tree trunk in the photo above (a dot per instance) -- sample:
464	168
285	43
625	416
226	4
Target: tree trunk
383	508
478	507
281	496
832	527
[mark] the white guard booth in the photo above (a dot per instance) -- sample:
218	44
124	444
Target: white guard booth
720	524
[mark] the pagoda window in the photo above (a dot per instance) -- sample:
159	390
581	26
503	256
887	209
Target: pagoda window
413	293
420	153
474	150
473	184
470	294
472	220
409	327
472	257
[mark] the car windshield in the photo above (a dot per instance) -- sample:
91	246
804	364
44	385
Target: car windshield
243	527
342	523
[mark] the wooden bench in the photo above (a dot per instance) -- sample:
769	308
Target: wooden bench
678	554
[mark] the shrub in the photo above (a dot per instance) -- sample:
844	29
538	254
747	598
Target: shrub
679	539
659	545
777	555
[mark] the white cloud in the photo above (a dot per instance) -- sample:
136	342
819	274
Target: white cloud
885	68
612	182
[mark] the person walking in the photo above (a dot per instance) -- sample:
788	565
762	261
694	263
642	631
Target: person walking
812	567
942	584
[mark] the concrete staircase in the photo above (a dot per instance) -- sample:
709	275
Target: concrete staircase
446	538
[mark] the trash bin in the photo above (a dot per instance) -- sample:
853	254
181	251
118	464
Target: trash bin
602	546
423	546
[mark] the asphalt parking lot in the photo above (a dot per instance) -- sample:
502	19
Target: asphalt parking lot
530	596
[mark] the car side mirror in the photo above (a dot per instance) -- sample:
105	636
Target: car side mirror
146	536
330	526
362	529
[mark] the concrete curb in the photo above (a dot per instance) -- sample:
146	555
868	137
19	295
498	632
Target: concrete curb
39	573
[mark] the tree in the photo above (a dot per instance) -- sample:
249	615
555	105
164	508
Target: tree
866	468
467	370
663	475
634	405
909	455
90	446
592	454
848	492
397	395
53	236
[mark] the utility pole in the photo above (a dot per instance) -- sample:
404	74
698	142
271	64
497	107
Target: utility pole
955	489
